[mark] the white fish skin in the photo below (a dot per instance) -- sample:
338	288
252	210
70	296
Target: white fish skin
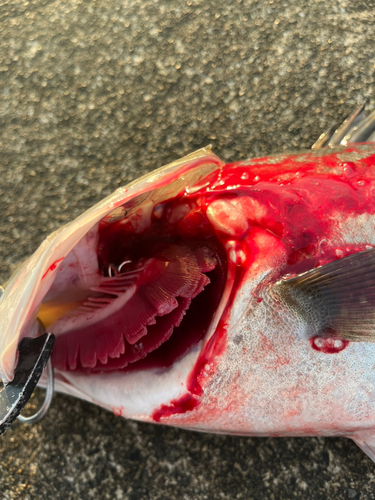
255	372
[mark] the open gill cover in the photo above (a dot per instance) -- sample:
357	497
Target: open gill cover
27	288
152	302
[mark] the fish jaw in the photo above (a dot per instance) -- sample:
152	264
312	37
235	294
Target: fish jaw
25	291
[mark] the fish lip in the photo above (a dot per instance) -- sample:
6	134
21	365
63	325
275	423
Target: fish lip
25	290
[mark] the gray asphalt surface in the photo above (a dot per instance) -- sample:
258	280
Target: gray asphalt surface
93	94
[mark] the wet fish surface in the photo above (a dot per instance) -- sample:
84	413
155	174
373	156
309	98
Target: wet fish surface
232	298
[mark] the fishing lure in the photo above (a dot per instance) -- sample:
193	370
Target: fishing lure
234	298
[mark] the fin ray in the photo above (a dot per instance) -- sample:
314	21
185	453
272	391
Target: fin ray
362	131
366	441
338	297
347	125
323	139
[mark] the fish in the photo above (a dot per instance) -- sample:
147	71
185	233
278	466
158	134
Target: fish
231	298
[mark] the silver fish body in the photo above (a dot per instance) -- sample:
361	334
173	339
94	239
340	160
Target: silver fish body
283	249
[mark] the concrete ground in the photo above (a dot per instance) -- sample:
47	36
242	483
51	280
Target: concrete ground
93	94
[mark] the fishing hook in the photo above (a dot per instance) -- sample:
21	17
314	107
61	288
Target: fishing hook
33	356
49	390
47	399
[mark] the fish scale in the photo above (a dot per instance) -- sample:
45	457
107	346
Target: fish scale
263	283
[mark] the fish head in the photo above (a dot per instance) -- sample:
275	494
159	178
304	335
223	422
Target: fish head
145	290
168	302
137	291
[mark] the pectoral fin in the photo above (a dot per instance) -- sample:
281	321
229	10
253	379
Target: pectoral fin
366	441
337	299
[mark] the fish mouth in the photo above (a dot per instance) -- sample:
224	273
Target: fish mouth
141	290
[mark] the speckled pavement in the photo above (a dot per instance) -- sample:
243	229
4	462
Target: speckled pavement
93	94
